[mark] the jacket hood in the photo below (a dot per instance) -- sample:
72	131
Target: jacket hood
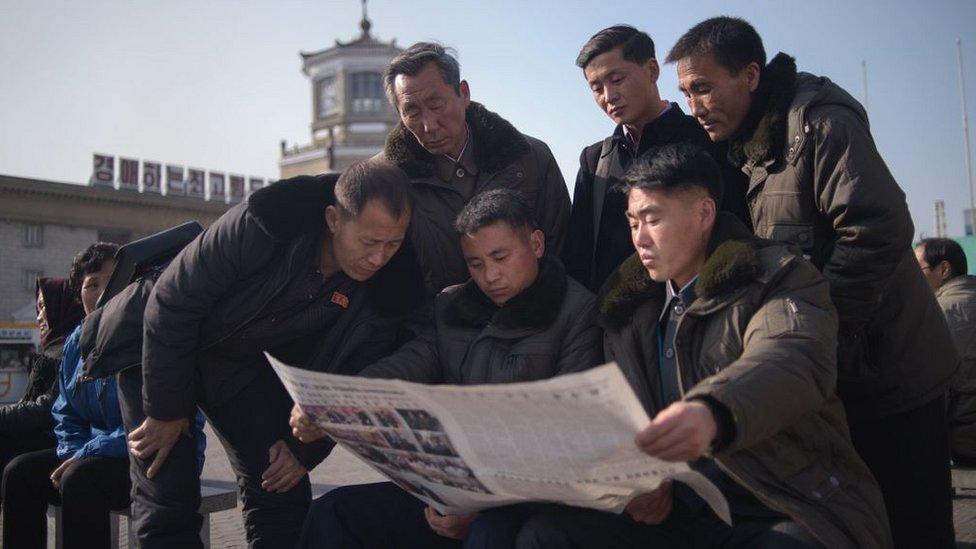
294	207
733	262
498	144
535	308
781	103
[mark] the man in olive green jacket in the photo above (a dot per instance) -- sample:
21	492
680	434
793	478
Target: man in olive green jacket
944	266
729	341
817	181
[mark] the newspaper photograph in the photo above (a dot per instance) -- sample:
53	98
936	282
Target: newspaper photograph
568	439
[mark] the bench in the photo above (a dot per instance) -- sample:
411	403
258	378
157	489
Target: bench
212	500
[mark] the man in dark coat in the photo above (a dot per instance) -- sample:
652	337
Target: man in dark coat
729	342
621	72
944	265
310	269
452	149
519	318
817	181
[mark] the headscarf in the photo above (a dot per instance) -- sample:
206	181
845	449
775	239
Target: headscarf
62	306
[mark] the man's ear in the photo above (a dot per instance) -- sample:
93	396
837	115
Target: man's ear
465	92
752	73
537	240
653	68
708	211
332	218
945	269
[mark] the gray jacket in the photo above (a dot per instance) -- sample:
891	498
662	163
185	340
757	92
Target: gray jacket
817	181
545	331
957	297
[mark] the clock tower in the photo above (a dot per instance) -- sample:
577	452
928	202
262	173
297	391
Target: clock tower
350	113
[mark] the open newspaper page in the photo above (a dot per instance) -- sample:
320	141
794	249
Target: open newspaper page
569	439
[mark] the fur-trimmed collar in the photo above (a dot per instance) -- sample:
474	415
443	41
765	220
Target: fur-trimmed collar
497	144
295	207
535	308
762	136
733	262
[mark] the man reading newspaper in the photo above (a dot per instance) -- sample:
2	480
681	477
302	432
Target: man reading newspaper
519	318
729	340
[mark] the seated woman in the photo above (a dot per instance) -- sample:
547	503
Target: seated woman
88	473
27	425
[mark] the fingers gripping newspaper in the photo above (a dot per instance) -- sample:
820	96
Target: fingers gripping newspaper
569	439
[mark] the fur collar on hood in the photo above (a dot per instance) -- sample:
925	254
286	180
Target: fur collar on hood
497	144
763	134
295	207
535	308
733	262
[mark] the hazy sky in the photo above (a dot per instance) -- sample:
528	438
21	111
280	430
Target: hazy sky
217	84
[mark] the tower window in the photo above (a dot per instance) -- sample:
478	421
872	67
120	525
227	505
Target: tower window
367	92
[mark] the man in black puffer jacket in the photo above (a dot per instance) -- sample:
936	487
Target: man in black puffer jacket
268	275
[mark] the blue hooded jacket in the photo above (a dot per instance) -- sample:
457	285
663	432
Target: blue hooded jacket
87	418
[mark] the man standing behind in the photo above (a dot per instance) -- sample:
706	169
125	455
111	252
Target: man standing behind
944	265
452	149
621	71
817	181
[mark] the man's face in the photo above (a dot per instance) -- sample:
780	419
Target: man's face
502	260
43	327
935	275
94	284
362	245
624	90
716	98
670	231
432	111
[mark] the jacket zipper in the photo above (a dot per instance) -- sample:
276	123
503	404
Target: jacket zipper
792	311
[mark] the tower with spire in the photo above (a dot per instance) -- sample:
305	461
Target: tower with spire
350	113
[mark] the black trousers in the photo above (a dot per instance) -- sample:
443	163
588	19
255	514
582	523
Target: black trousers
384	516
909	456
90	488
12	445
165	508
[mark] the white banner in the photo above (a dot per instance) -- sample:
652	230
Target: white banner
152	177
175	186
129	174
103	171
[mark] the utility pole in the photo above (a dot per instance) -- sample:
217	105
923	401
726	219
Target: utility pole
940	219
965	135
864	81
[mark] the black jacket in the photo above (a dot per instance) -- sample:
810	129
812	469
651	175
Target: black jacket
591	262
505	159
33	411
547	330
231	276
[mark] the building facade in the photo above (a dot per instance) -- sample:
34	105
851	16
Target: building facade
43	224
350	113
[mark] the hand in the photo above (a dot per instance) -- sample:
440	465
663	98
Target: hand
449	526
652	507
59	472
303	427
681	432
156	437
285	470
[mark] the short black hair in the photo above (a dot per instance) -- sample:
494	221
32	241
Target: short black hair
637	45
733	42
415	58
675	167
90	260
373	179
505	205
937	250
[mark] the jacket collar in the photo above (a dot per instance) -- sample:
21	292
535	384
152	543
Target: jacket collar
733	263
497	145
535	308
963	282
666	128
762	137
292	210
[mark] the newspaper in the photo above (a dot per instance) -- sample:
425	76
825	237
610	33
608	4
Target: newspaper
569	439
